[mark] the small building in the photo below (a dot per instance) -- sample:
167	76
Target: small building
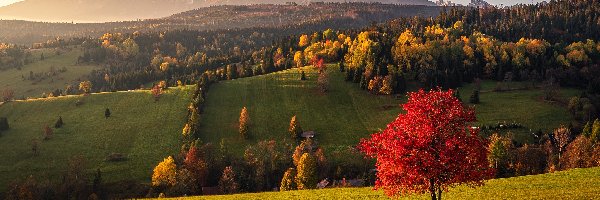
308	134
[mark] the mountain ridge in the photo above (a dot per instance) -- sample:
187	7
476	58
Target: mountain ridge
89	11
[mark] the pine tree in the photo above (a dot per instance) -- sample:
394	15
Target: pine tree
307	172
295	128
287	182
587	130
596	131
107	113
244	120
303	76
59	123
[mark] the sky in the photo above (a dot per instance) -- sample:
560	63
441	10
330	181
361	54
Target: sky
7	2
497	2
464	2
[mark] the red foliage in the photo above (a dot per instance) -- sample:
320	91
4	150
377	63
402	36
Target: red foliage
318	63
430	148
195	163
156	92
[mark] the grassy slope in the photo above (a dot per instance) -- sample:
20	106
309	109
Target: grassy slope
341	117
143	130
12	79
572	184
345	114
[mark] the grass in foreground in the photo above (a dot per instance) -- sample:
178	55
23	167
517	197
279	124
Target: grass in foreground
345	114
145	131
572	184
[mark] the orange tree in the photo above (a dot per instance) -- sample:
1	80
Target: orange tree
429	148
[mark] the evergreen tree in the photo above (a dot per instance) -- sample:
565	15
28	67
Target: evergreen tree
307	172
587	130
474	99
59	123
303	76
4	124
596	131
107	113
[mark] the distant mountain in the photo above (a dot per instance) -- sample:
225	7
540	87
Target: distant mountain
127	10
313	17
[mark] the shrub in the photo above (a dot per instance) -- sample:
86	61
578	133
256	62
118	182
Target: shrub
4	124
48	133
294	128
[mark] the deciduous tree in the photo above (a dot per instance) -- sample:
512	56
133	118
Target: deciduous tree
244	120
288	181
429	148
306	178
165	173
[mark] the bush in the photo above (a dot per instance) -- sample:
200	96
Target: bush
59	123
3	124
116	157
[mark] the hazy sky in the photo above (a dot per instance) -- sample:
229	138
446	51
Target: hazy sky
6	2
498	2
464	2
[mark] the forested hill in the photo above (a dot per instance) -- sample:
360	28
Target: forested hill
127	10
330	15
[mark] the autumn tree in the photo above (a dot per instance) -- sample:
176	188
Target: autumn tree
8	94
194	162
228	182
165	173
294	128
306	178
48	133
429	148
244	121
304	41
562	138
299	59
288	181
85	87
156	92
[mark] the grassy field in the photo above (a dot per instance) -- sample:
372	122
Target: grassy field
345	114
572	184
13	78
145	131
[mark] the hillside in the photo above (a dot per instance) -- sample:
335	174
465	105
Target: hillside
571	184
314	17
345	114
142	130
127	10
54	72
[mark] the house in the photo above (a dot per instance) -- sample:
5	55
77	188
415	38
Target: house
308	134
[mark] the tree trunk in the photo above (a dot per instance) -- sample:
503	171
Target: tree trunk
439	193
432	189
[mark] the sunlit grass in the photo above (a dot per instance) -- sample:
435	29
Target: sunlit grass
143	130
572	184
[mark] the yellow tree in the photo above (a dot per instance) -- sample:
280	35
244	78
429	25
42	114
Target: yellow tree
165	173
85	87
307	172
299	59
303	40
244	120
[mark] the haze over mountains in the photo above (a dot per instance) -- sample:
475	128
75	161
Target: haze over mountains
128	10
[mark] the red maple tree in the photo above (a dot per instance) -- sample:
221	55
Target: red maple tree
429	148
